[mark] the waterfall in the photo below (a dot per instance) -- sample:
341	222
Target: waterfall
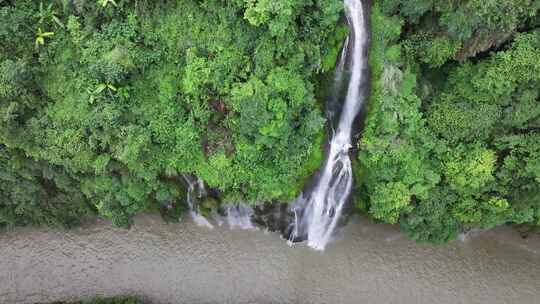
239	216
196	190
317	211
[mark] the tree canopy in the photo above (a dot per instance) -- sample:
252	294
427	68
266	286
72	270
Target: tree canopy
452	134
104	104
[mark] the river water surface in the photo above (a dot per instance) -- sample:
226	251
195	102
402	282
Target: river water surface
183	263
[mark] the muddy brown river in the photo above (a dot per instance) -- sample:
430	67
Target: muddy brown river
183	263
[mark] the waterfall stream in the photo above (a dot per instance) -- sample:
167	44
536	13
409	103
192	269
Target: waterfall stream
317	212
195	191
237	216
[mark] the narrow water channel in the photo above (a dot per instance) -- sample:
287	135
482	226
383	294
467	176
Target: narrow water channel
182	263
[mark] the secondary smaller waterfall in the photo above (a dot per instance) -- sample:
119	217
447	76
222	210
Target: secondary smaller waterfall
196	191
239	216
317	212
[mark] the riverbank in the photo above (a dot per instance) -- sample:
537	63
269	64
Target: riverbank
183	263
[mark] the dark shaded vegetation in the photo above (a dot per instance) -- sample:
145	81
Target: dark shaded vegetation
452	138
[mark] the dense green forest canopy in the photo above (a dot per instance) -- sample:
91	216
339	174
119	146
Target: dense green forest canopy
104	104
452	138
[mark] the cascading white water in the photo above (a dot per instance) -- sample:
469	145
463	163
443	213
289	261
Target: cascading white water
317	213
196	190
239	216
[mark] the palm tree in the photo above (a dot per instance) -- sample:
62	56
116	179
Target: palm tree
103	86
100	88
104	3
41	35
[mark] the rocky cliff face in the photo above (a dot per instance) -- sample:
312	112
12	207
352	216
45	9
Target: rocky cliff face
482	41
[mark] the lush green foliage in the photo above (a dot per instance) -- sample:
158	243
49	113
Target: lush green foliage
103	104
453	145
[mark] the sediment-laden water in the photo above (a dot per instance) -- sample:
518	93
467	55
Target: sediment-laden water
184	263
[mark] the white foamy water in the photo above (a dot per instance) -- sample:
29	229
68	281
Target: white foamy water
317	212
196	190
239	217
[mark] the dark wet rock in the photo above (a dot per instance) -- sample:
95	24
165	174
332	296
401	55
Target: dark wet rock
171	211
274	216
482	42
208	204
